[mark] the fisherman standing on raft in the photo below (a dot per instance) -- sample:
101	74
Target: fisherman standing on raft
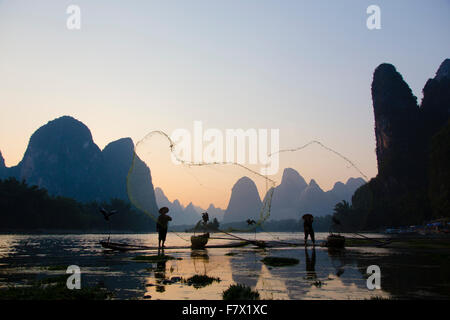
162	225
307	227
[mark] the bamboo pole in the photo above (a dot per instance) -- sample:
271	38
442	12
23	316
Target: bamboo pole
375	240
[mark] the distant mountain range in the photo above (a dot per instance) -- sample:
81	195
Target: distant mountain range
412	150
188	215
290	199
62	158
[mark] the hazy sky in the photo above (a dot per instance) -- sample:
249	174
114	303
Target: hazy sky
304	67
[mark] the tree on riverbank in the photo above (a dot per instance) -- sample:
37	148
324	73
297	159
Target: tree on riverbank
25	208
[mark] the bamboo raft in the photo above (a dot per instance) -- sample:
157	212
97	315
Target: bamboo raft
200	244
117	246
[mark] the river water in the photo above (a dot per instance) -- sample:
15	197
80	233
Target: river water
320	274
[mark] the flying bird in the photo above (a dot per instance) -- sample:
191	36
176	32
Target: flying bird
250	222
107	214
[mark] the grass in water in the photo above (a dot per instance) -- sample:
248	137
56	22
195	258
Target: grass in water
53	288
154	258
240	292
200	281
279	261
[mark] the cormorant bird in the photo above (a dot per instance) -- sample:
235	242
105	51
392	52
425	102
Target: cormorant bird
205	217
107	214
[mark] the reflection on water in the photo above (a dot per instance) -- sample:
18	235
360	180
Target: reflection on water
321	273
310	263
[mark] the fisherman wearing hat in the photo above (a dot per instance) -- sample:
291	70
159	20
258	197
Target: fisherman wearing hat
308	228
161	226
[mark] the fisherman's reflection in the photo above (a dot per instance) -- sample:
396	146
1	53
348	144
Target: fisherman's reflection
246	269
200	255
337	259
160	276
310	264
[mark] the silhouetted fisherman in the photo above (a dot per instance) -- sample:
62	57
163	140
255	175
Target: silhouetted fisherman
162	226
308	228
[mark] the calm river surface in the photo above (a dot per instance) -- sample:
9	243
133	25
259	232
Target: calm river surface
321	273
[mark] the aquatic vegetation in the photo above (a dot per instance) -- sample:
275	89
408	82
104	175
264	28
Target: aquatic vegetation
156	258
380	298
59	279
56	290
161	280
200	281
240	292
56	268
160	289
279	261
176	279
